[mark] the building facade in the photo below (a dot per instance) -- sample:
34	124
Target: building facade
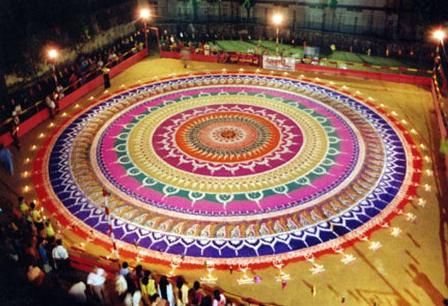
387	19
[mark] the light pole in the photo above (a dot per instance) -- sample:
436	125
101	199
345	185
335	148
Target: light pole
145	15
439	36
156	30
277	20
52	56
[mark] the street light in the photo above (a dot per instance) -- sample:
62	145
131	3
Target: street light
145	15
439	36
52	57
52	54
277	20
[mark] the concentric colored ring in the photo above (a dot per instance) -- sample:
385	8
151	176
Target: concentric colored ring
225	190
258	138
227	137
232	167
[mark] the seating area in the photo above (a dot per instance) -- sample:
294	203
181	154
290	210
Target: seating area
37	269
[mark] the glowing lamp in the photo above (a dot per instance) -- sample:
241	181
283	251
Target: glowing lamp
145	13
439	35
277	19
52	54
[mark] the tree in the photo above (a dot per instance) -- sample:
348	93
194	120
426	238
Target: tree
214	4
332	4
248	4
195	5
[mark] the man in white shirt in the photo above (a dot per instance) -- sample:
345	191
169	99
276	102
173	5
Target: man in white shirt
121	286
60	256
124	270
51	104
96	281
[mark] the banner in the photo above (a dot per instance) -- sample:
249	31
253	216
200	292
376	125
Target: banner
311	52
279	63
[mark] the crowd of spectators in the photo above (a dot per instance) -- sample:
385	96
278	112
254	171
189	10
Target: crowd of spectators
411	51
414	52
141	287
29	240
322	45
66	78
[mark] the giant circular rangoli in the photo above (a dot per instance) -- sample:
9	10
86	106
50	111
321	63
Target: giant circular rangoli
231	167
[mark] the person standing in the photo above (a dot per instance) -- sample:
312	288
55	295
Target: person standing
148	288
24	209
51	244
43	256
6	159
165	290
196	294
121	286
59	91
35	275
181	291
137	275
31	254
49	230
133	298
124	270
78	292
36	215
185	57
96	281
218	298
14	130
106	77
51	105
60	256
